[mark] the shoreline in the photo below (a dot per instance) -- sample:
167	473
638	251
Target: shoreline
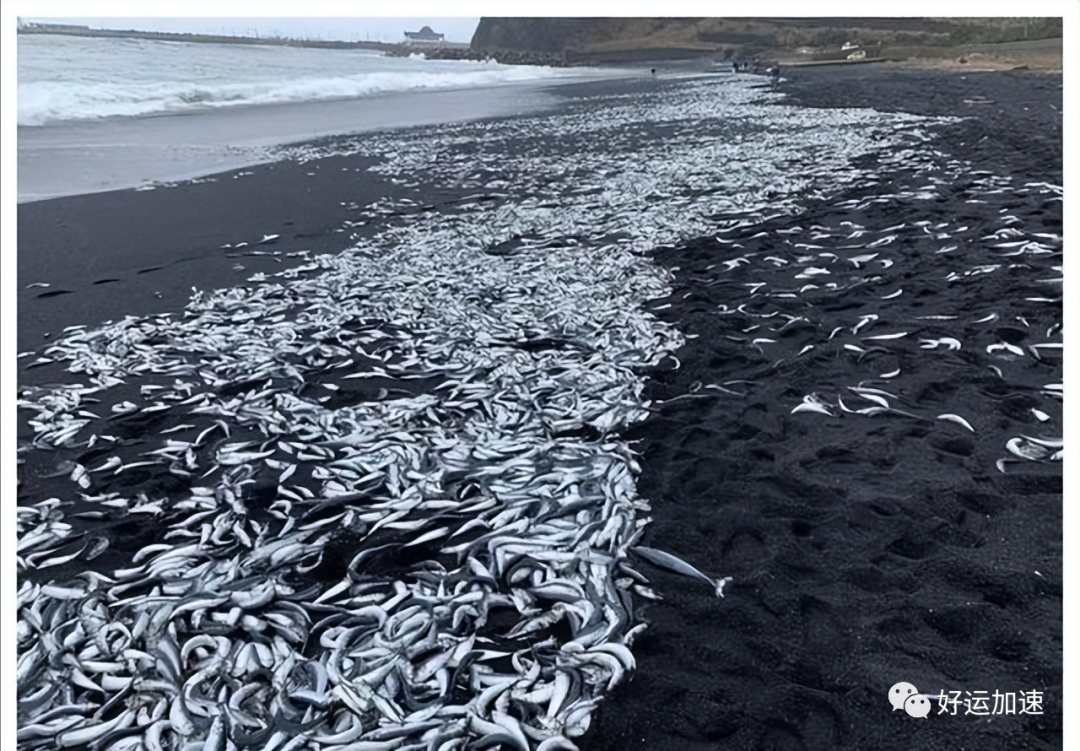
156	253
79	157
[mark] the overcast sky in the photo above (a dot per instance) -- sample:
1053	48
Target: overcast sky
348	29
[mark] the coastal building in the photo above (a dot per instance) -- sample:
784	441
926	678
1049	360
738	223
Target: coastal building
424	38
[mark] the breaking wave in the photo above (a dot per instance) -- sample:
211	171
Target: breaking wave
44	102
80	79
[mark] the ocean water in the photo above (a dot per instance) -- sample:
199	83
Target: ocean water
75	78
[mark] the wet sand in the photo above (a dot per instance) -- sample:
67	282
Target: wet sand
108	255
76	158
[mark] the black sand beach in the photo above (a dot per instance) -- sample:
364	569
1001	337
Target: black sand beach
865	553
865	548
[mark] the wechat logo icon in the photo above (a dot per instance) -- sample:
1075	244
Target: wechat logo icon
906	697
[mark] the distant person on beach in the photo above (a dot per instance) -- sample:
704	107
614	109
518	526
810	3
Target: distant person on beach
653	71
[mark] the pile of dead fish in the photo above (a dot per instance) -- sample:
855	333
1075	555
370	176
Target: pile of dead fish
398	510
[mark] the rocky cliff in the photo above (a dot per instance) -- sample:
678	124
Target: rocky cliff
612	38
558	35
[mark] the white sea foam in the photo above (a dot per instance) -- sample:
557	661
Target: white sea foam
72	78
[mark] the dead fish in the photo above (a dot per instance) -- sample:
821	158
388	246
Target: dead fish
958	420
679	566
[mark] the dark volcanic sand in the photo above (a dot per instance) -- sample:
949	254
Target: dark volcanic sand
864	552
130	252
